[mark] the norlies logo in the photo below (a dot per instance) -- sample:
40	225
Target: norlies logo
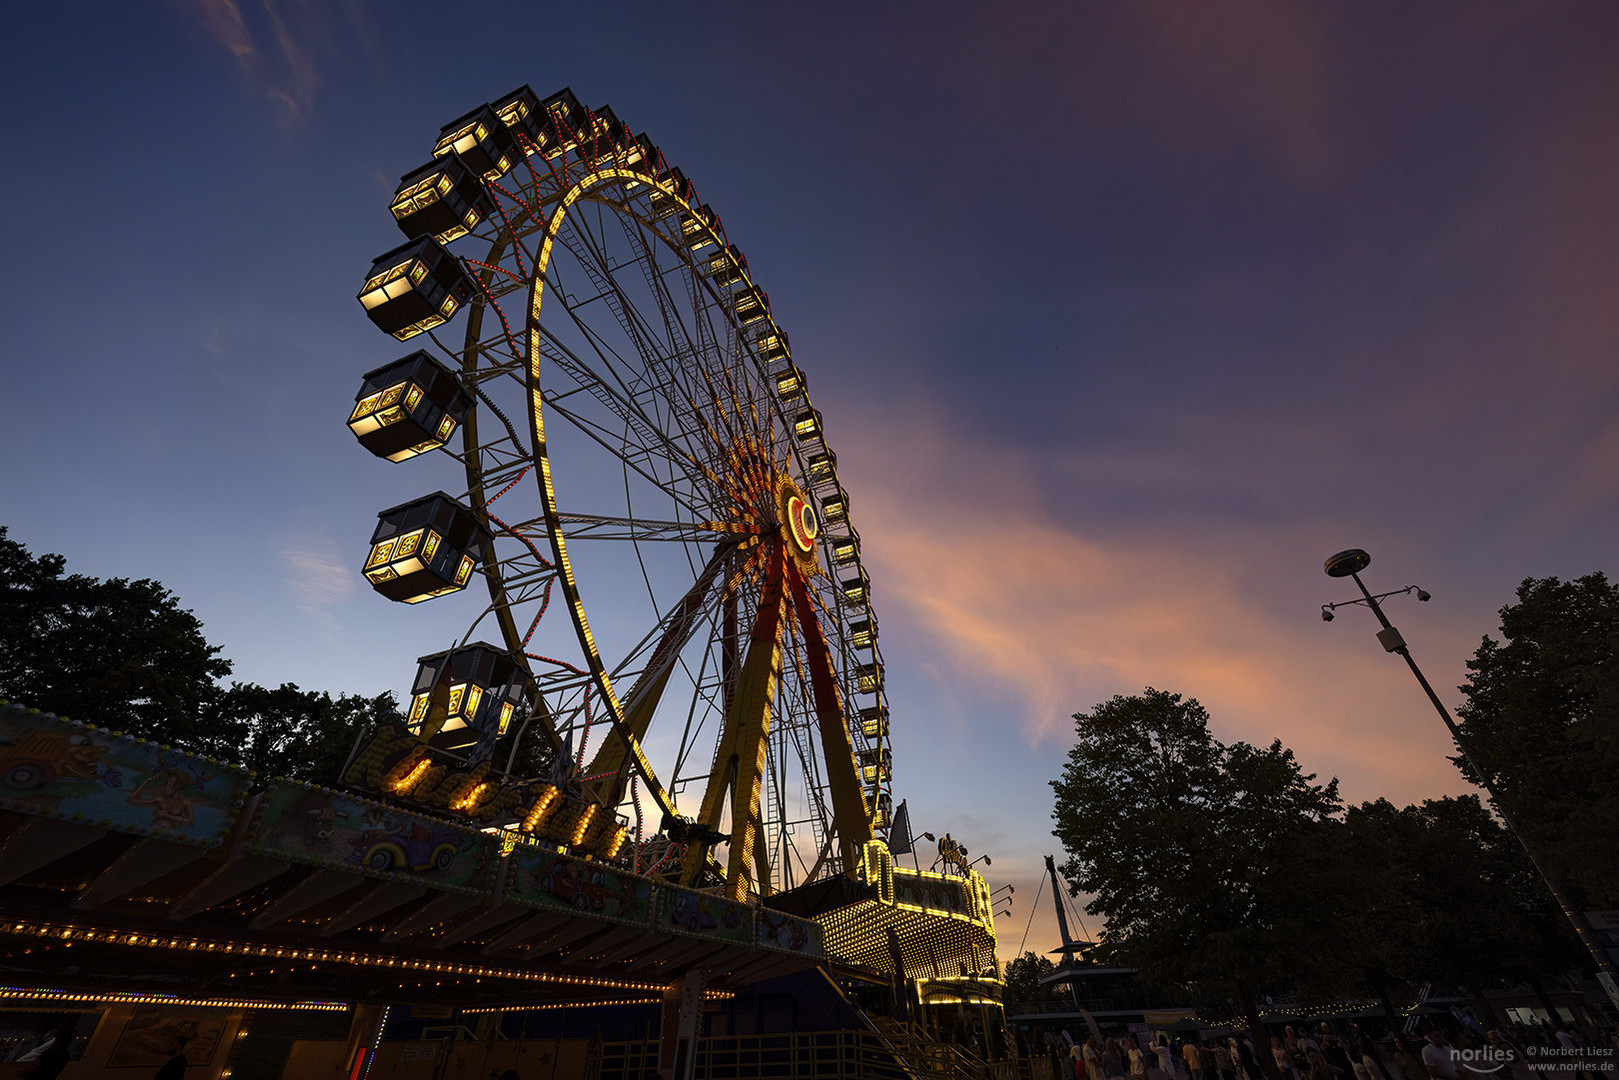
1485	1059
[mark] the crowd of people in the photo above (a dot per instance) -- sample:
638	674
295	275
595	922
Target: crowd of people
1556	1051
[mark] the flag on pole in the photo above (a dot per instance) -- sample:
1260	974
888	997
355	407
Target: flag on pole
899	833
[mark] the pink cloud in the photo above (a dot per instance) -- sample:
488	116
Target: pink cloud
970	571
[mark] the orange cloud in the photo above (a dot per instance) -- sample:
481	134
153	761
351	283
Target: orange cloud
968	567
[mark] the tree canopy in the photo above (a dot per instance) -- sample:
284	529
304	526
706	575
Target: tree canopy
116	653
1225	871
1022	978
298	734
1542	719
125	655
1448	895
1208	861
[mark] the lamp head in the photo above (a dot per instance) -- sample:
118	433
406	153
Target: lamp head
1326	614
929	836
1424	595
1345	563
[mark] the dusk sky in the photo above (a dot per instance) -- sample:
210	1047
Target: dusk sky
1122	316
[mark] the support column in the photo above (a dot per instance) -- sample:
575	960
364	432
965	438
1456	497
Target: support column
365	1032
682	1011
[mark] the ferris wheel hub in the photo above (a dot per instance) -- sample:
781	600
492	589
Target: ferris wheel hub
799	526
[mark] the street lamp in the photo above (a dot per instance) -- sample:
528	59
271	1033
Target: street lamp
1350	563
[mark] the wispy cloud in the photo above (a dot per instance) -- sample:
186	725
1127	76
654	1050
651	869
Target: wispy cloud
295	91
222	21
286	71
318	579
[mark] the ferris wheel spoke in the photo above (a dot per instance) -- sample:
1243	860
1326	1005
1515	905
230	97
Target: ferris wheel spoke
646	693
596	527
626	410
681	341
602	273
612	393
604	440
596	266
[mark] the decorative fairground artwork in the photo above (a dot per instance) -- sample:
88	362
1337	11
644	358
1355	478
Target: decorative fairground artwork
544	879
393	762
148	1039
705	914
321	827
57	768
778	930
599	403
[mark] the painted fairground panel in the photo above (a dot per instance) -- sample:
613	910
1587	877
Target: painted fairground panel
321	827
57	768
545	879
148	1039
705	915
778	930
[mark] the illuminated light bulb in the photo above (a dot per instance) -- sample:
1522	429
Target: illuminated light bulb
538	811
585	818
409	780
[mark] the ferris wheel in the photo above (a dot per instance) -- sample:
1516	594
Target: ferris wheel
677	610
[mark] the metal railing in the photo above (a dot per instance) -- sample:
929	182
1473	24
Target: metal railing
895	1054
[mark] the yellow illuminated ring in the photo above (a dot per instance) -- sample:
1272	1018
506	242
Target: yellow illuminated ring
801	521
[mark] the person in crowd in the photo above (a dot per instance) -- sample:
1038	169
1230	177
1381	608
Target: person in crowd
1284	1057
1366	1054
1238	1065
1112	1059
1407	1064
1166	1059
1091	1052
1319	1068
1439	1057
1192	1055
1138	1060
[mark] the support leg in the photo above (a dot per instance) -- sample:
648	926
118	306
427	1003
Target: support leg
682	1011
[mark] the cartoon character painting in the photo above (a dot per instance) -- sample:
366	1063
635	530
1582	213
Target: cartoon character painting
34	759
163	792
405	845
692	913
568	884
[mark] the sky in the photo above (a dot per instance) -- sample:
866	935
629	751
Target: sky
1122	318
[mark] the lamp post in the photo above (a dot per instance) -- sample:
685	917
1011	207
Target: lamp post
1349	564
